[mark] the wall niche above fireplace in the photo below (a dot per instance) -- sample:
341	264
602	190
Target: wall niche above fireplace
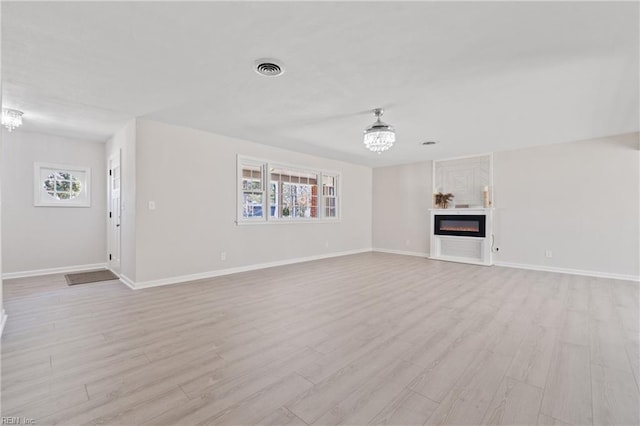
465	178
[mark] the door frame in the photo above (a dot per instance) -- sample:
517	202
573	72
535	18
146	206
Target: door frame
111	216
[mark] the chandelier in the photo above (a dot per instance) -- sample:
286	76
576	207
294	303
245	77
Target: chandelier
11	118
379	136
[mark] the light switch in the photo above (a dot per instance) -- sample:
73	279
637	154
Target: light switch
152	205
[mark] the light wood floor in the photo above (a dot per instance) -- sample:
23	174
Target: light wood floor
365	339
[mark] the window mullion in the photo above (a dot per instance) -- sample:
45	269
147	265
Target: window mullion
266	202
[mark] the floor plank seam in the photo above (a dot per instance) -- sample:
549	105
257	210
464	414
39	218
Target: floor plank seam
294	414
183	392
305	378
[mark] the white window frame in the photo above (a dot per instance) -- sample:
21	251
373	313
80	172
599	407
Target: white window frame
240	191
266	205
42	199
336	196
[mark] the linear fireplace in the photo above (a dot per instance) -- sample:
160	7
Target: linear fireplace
462	235
460	225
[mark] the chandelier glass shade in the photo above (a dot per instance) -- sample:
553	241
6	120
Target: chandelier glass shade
379	136
11	118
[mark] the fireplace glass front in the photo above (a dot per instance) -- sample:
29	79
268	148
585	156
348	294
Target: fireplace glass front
460	225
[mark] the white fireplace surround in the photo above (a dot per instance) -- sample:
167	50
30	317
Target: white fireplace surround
475	250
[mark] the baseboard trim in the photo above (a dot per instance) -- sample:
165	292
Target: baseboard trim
127	281
402	252
581	272
220	272
3	321
49	271
460	260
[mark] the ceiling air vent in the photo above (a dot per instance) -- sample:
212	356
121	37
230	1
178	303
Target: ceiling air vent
269	67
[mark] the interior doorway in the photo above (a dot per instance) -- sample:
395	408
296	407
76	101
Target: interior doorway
114	213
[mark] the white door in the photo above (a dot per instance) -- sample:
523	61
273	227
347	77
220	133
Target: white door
114	215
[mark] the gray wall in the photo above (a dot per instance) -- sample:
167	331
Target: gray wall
35	238
578	199
191	176
401	201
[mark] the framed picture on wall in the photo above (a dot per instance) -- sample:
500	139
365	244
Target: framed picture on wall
61	185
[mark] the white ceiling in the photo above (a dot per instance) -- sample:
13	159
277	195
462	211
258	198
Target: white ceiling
476	76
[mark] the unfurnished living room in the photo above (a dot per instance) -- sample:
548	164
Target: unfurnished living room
320	213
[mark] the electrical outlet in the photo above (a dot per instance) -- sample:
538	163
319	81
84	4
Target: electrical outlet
407	243
223	255
326	243
548	254
152	205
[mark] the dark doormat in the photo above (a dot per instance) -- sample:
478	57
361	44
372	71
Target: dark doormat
90	277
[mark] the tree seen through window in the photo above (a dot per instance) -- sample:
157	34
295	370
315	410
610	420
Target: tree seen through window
62	185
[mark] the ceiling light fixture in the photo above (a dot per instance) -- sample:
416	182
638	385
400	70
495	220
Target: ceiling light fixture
379	136
11	118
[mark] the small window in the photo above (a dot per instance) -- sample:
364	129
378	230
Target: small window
57	185
62	185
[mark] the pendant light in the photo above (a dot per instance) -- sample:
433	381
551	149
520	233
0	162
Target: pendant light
379	136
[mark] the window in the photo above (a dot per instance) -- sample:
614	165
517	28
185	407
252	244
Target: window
57	185
252	183
330	195
294	194
62	185
287	193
